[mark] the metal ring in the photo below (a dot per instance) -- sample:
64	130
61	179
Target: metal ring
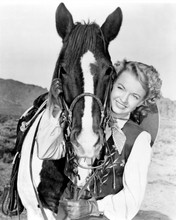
86	94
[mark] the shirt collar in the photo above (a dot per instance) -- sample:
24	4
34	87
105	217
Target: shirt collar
121	122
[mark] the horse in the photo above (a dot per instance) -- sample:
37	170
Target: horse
85	68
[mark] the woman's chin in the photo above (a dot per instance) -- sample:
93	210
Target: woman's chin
120	113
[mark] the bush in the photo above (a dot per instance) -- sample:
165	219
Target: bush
8	126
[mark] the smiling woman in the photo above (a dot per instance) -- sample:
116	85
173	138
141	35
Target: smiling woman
127	93
136	87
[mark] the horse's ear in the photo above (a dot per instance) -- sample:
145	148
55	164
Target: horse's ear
64	21
112	25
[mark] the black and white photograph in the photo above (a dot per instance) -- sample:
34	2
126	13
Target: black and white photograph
87	110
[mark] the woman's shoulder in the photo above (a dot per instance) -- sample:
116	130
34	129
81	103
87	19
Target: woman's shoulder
133	130
132	126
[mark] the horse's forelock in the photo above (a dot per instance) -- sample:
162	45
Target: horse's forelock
82	38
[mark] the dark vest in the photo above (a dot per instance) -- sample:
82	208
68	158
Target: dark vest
113	183
55	183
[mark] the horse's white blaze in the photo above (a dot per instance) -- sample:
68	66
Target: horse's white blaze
87	138
87	59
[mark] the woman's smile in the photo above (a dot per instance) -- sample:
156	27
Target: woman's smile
120	105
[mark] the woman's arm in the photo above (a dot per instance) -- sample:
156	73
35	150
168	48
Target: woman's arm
50	142
125	204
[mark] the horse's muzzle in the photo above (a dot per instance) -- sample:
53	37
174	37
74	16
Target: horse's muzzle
87	145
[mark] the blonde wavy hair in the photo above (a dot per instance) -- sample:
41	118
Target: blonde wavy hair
150	81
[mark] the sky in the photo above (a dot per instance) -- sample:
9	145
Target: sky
30	45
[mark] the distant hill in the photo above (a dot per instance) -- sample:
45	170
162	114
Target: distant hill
16	97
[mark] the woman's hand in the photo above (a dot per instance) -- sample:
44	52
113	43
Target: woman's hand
76	209
56	88
55	91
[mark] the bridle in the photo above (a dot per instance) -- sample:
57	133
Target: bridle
66	115
67	112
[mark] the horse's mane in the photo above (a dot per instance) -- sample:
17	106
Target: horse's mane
83	37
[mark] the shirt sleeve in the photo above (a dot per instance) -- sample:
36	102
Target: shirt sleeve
50	142
125	204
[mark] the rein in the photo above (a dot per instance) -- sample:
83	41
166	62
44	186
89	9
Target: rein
32	179
92	167
96	167
96	170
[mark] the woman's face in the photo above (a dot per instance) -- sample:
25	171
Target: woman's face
127	94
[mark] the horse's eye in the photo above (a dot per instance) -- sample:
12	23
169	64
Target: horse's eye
109	71
62	70
63	74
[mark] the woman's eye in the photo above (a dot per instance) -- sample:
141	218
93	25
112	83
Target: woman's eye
120	87
136	97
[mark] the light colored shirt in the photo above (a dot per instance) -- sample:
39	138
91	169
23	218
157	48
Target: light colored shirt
50	141
123	205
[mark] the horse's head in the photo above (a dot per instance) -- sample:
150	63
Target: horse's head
85	68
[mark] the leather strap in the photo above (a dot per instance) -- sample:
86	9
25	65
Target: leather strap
31	174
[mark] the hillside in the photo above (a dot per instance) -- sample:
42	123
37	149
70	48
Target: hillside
16	97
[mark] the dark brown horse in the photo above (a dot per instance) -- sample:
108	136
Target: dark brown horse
85	68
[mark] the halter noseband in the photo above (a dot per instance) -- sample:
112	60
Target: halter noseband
81	96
